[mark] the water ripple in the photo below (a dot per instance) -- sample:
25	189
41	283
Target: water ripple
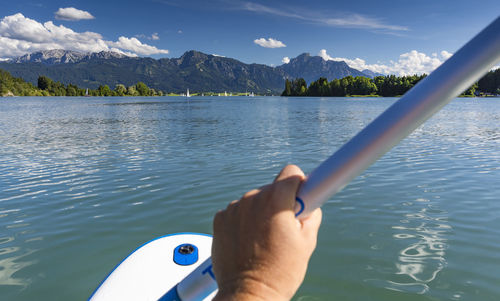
92	179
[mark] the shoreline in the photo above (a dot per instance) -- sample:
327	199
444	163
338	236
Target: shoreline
11	95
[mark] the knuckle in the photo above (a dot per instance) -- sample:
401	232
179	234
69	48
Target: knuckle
231	207
251	194
291	167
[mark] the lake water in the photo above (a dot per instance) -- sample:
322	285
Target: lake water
84	181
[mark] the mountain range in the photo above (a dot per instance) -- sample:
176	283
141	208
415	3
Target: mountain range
194	70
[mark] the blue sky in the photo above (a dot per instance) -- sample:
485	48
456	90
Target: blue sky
386	36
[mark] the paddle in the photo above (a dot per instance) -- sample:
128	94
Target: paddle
454	76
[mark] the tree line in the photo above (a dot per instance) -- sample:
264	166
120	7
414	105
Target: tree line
10	86
490	83
390	85
52	88
13	86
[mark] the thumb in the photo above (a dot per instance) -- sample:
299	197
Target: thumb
290	171
285	187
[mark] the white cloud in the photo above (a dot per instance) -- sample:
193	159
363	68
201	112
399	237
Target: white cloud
134	45
20	28
259	8
409	63
359	21
285	60
20	35
72	14
127	53
445	54
153	36
269	43
347	20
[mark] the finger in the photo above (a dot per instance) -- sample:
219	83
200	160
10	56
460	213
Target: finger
218	222
290	171
284	192
286	185
311	224
230	207
250	194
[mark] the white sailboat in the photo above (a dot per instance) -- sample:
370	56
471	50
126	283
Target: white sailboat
187	93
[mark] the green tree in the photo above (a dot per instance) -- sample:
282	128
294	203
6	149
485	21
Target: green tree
47	87
390	85
131	91
490	83
142	89
120	90
321	87
10	85
57	89
346	84
44	83
288	88
299	87
470	91
72	90
104	90
336	88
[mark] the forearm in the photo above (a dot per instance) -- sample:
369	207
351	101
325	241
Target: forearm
249	290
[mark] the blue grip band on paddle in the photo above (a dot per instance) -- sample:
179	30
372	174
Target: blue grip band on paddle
301	203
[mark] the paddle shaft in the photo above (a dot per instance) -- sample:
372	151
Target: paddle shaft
432	93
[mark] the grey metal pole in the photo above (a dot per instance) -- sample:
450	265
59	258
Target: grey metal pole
449	80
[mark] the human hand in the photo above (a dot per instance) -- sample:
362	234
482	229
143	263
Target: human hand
260	251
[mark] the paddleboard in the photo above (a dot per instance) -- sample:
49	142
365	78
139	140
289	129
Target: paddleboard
155	268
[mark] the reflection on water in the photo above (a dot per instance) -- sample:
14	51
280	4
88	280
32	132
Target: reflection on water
85	181
10	265
424	230
11	253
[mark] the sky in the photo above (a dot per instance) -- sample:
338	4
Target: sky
391	37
